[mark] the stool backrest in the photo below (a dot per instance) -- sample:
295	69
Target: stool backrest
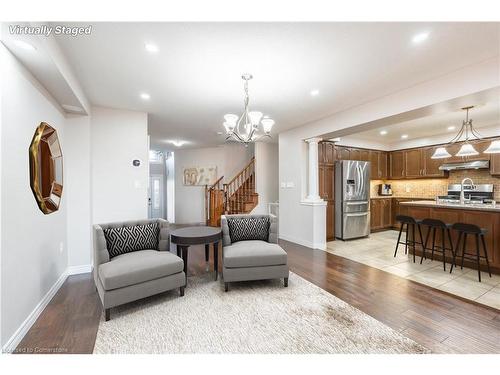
466	228
434	223
405	219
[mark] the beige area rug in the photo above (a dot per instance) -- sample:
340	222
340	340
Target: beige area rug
253	317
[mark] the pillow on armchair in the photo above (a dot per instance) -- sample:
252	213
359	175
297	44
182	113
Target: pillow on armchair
248	228
131	238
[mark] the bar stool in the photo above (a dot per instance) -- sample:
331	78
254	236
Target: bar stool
463	230
434	225
411	223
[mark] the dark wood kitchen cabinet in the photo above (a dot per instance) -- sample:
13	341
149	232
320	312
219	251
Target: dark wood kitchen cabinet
431	166
380	213
413	163
386	213
326	153
326	158
375	214
397	165
378	167
495	164
343	153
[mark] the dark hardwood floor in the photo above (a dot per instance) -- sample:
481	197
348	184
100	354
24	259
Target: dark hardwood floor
439	321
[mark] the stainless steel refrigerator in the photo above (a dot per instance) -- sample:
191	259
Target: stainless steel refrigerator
352	199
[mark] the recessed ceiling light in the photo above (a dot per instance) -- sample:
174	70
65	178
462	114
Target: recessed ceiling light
404	136
177	142
151	48
314	92
383	132
24	45
145	96
419	38
451	127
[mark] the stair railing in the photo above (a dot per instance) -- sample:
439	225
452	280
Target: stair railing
240	188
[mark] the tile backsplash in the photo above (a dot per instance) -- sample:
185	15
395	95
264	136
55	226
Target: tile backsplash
429	188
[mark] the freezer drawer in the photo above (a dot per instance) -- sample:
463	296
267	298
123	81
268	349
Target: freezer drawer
356	225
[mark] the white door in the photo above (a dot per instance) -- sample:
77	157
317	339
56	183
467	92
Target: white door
155	196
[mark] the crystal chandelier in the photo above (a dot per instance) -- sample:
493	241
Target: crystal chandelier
245	127
467	148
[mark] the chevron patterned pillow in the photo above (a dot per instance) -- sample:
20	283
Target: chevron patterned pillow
132	238
248	228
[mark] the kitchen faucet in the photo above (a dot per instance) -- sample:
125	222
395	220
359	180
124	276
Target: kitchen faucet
462	195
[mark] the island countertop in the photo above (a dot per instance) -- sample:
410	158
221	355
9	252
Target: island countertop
474	207
482	216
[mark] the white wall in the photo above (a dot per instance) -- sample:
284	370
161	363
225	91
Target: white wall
119	190
77	190
298	222
190	200
33	245
266	175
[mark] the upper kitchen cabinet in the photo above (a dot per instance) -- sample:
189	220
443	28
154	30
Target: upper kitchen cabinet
374	168
383	164
495	164
414	165
397	165
364	155
431	166
378	167
343	153
326	153
355	154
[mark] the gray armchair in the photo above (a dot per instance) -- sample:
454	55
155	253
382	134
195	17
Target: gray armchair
245	258
137	274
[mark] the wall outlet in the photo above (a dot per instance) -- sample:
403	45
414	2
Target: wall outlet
407	188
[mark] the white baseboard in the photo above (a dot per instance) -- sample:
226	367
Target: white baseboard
76	270
16	338
303	242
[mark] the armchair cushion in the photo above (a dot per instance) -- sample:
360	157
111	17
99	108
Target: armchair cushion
253	254
126	239
248	228
137	267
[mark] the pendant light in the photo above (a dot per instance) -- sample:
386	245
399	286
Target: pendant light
440	153
467	149
493	148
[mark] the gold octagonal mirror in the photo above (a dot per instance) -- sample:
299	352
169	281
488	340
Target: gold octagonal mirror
46	168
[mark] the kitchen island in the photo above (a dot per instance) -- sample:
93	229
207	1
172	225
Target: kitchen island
484	216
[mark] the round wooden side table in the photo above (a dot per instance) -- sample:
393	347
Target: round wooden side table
201	235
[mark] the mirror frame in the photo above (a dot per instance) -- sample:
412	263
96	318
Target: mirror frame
46	204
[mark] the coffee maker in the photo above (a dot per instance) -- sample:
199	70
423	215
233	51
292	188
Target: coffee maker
384	189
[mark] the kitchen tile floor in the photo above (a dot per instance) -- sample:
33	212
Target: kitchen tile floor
378	251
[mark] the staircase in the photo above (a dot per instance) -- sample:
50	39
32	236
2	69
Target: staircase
238	196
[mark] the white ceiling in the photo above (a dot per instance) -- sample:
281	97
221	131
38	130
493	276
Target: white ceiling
427	129
194	79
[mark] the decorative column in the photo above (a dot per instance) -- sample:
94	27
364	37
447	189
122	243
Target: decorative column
312	186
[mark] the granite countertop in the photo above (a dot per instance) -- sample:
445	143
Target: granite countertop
431	203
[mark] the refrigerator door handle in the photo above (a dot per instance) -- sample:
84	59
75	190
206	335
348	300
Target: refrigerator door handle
358	180
358	214
356	203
